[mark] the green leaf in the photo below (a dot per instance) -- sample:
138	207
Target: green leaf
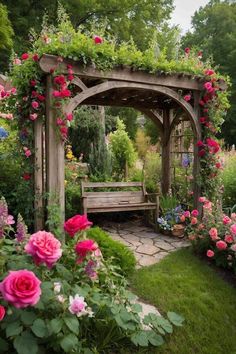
28	317
136	307
176	319
26	343
154	338
64	273
3	345
69	342
73	324
56	325
140	338
14	329
39	328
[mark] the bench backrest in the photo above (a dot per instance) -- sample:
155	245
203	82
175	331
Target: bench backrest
101	197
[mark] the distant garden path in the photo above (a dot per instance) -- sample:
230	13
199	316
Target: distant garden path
148	247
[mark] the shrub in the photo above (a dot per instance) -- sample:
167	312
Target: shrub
214	235
67	298
229	181
152	171
110	248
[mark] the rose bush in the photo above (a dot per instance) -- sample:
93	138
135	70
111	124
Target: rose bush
214	235
67	299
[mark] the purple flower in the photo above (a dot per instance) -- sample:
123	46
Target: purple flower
21	229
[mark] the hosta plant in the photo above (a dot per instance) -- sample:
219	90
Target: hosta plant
67	298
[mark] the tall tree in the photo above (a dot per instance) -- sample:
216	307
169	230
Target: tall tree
6	34
214	32
123	18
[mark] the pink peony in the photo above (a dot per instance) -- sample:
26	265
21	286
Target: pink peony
187	214
195	213
233	229
44	248
76	223
25	56
221	245
77	305
213	234
187	98
226	220
21	288
2	312
97	39
229	239
210	253
82	248
35	104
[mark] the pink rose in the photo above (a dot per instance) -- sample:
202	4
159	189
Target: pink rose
77	305
221	245
17	61
233	229
195	213
233	247
193	221
28	153
210	253
187	214
97	39
229	239
213	234
25	56
82	248
56	94
202	199
44	248
76	223
209	72
226	220
33	116
187	98
35	104
69	117
21	288
208	87
2	312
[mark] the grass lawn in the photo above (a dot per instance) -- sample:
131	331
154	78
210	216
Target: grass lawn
184	284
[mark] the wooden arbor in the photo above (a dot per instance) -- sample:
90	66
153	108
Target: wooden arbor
158	96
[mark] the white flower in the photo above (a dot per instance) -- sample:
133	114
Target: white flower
57	287
61	298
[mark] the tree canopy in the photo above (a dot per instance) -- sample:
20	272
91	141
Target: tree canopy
214	32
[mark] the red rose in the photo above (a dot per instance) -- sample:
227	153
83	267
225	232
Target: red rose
76	223
97	39
187	50
65	93
35	57
2	312
41	97
82	248
60	80
25	56
33	82
26	176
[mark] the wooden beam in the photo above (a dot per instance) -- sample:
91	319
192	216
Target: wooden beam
39	221
55	157
165	154
196	160
47	62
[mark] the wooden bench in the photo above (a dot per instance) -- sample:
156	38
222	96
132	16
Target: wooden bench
125	196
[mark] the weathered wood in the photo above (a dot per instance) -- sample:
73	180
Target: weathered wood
196	159
55	157
110	184
47	62
38	176
165	154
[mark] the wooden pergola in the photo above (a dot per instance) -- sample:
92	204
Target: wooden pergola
159	96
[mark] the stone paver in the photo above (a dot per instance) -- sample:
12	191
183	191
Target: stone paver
148	246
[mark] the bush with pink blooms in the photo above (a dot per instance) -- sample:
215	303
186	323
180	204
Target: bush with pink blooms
57	298
214	234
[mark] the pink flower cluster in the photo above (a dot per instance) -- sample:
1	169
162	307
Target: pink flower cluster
6	220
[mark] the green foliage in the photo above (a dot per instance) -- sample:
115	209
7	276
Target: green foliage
151	130
152	172
120	254
219	42
142	143
229	180
128	116
6	34
183	282
168	203
123	152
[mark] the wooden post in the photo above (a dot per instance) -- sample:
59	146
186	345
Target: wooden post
38	176
55	169
196	161
165	155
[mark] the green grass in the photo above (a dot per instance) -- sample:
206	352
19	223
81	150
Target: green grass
184	284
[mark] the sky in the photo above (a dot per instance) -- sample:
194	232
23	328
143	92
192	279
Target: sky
184	10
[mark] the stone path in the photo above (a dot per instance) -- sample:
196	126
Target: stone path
148	247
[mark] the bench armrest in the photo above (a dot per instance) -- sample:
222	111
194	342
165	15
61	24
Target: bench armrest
149	194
